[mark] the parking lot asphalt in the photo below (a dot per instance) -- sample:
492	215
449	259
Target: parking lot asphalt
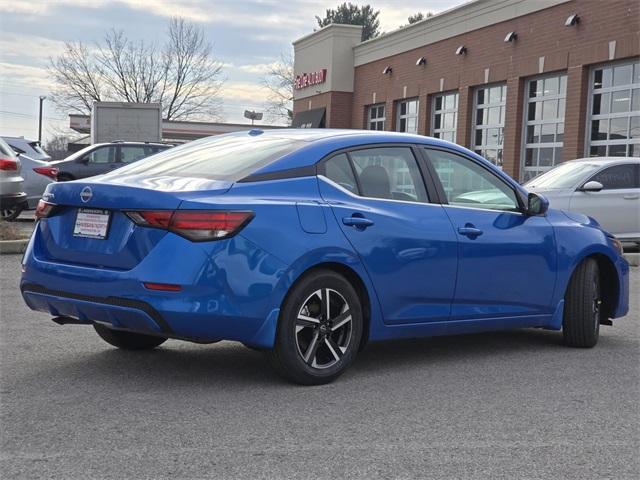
502	405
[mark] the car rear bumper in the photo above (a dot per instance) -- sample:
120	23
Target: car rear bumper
12	200
230	290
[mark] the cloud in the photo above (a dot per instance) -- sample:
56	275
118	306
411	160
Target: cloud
28	48
258	68
247	92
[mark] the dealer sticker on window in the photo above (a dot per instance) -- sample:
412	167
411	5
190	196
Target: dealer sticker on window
92	223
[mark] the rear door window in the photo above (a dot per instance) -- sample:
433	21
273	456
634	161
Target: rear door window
389	172
338	169
132	153
102	155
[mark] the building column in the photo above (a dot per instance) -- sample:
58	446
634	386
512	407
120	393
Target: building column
390	116
575	113
512	148
424	114
465	116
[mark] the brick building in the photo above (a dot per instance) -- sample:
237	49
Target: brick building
525	83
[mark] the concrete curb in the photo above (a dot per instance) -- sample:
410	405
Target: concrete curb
633	259
13	246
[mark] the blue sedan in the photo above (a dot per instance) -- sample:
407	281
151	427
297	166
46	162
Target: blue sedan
310	243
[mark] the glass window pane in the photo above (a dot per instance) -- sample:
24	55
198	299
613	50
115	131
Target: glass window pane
449	102
530	134
533	111
548	132
601	103
403	108
563	84
535	88
493	136
599	129
467	184
598	151
546	157
620	101
618	128
531	157
557	155
634	150
437	122
494	116
617	150
438	102
390	173
634	130
622	75
619	177
480	98
560	134
338	169
551	85
635	100
495	94
550	108
636	72
480	116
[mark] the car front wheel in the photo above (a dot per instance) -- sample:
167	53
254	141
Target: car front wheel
319	330
582	306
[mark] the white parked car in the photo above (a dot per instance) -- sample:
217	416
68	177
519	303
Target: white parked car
607	189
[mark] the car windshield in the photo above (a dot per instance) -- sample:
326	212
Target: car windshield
226	157
565	175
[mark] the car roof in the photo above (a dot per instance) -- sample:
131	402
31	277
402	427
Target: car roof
607	160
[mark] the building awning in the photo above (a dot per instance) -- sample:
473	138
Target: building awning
309	119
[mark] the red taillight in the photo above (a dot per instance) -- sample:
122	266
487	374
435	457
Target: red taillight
43	210
194	225
50	172
8	164
163	287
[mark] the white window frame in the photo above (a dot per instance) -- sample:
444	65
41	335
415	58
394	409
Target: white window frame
608	116
441	132
560	97
480	149
376	120
407	116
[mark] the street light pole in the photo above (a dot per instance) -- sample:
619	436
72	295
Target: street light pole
42	97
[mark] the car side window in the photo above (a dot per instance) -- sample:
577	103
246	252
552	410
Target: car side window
467	184
105	154
338	169
390	173
619	177
132	153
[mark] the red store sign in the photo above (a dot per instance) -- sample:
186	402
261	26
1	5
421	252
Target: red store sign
305	80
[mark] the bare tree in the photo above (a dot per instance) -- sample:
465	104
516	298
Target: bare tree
279	83
78	80
57	146
181	74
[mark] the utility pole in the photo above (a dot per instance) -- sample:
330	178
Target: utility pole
42	97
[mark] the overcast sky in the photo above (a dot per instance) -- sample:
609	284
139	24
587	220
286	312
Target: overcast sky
247	36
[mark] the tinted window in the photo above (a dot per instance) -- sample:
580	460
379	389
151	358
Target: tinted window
102	155
132	153
467	184
225	157
338	169
619	176
390	173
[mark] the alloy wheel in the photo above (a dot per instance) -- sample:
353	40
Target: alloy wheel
323	328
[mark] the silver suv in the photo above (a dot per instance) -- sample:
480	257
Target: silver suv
12	197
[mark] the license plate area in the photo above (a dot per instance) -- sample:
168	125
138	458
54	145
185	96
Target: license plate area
92	223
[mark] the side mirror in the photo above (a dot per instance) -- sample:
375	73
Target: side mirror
592	186
537	204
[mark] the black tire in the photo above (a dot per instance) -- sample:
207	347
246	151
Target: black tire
582	302
128	340
10	214
337	334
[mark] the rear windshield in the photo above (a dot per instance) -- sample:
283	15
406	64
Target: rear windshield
227	157
5	150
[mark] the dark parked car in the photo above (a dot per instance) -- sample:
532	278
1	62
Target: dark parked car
104	157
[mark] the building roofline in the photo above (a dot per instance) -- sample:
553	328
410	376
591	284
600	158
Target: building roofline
326	31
